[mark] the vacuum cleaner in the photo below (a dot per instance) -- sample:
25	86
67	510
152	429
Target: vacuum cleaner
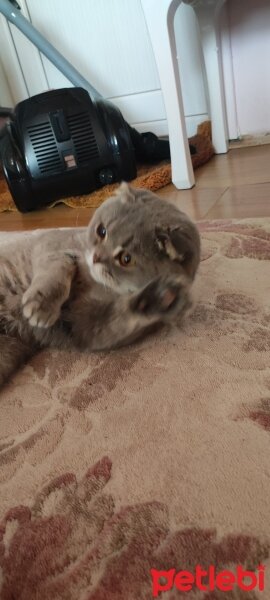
69	141
61	143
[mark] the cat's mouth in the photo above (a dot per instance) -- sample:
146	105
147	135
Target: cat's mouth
99	272
101	275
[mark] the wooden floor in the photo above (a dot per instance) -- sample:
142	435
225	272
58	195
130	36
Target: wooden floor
231	185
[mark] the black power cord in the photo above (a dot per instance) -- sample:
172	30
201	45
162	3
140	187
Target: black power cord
149	148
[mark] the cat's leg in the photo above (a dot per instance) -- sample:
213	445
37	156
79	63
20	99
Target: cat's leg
127	318
13	354
53	273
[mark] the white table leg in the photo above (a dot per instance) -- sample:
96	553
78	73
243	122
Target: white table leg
159	15
207	13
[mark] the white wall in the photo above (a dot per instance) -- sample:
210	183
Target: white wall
5	94
249	30
107	40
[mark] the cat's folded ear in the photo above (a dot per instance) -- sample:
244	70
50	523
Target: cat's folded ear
179	246
125	192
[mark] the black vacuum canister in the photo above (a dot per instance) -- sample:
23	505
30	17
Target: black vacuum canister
61	143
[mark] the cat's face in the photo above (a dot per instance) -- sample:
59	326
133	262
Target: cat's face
134	237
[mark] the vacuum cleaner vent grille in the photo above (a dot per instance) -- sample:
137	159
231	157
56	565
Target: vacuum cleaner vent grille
60	143
83	137
45	148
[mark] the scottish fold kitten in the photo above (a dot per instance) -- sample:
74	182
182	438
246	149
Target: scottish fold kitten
100	287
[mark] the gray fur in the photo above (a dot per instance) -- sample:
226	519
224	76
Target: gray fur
73	288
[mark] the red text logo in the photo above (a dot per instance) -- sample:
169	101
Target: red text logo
207	580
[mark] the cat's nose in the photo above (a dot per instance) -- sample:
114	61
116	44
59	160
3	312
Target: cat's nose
96	258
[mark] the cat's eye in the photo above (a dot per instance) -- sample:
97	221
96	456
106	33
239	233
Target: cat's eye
125	259
101	231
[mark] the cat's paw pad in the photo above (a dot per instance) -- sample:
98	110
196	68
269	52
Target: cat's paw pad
38	310
161	296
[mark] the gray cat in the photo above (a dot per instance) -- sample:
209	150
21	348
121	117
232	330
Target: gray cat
100	287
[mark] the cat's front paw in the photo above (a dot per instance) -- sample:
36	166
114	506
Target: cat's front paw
38	309
163	297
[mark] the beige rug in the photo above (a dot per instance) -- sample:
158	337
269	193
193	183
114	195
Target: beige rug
155	457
